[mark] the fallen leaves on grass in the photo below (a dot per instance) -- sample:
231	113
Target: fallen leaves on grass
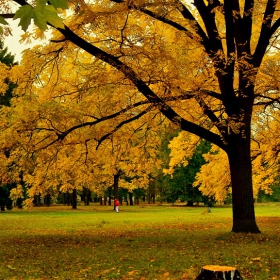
166	274
73	245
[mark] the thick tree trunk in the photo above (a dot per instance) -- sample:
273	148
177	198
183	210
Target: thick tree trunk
242	187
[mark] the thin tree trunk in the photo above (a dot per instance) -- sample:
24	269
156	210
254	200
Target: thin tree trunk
130	198
38	198
242	187
116	186
64	198
48	200
152	191
110	194
2	207
68	199
74	199
86	193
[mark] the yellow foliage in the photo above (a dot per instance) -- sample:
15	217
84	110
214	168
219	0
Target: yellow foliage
69	125
16	193
213	179
181	148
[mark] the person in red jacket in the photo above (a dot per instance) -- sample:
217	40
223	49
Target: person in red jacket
117	205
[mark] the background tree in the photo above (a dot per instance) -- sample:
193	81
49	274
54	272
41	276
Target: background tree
7	60
54	97
181	183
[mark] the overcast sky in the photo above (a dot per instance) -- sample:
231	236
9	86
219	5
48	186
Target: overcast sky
12	42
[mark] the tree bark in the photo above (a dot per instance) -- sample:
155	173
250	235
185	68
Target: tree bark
116	185
48	200
38	198
189	203
130	198
74	199
86	193
2	207
216	272
68	199
242	187
110	195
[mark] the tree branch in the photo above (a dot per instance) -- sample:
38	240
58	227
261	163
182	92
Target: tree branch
210	114
21	2
129	73
270	101
142	87
207	14
231	6
166	21
247	22
188	15
7	15
104	137
266	32
183	11
275	26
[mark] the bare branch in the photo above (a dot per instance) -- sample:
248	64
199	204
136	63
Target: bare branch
266	32
59	41
188	15
21	2
7	15
122	124
210	114
270	100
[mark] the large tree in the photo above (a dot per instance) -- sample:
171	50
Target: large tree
206	53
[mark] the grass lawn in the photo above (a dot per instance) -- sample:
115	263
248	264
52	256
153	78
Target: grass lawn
140	242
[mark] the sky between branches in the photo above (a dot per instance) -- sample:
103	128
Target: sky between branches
12	42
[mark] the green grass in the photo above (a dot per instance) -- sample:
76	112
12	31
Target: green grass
140	242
